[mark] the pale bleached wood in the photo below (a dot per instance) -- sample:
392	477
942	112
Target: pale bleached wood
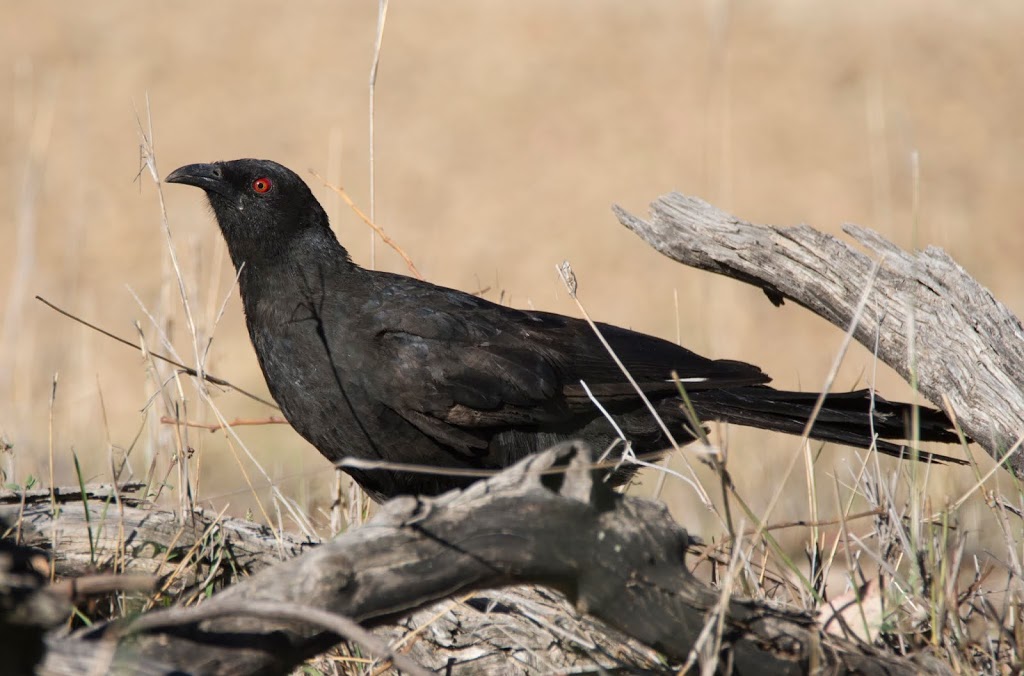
968	347
133	538
617	558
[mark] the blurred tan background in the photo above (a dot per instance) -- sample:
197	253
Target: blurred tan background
504	131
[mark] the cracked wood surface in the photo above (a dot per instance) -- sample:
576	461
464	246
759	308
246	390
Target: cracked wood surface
617	558
968	347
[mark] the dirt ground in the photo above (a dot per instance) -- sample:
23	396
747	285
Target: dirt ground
504	132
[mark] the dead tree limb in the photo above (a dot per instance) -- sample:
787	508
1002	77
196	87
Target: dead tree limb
618	558
129	538
127	492
516	630
968	347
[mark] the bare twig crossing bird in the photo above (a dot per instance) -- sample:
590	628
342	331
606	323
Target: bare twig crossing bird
380	366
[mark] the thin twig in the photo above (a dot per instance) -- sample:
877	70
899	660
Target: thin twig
149	160
369	221
213	427
569	279
412	468
801	523
187	369
230	434
77	588
820	402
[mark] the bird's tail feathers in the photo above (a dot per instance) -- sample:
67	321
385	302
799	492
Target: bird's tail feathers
850	418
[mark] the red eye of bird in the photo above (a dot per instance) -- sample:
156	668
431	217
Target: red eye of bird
261	185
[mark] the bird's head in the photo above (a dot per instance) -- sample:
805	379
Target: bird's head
260	205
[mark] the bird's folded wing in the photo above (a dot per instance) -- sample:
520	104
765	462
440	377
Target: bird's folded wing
472	385
509	378
656	366
459	367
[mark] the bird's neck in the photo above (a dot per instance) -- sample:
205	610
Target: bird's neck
302	264
265	249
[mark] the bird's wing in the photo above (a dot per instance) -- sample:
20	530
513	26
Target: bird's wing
462	365
447	374
656	366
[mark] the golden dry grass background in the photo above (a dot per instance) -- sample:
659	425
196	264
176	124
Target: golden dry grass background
504	133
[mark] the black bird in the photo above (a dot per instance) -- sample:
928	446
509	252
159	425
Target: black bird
380	366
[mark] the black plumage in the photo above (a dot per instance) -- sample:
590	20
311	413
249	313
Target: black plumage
380	366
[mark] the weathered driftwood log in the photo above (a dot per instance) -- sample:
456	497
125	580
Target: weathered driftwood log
516	630
125	537
618	558
127	492
968	347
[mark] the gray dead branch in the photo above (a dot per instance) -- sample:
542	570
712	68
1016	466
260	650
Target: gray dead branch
968	347
615	558
127	492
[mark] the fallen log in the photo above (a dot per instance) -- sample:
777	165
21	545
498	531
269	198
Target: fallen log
544	521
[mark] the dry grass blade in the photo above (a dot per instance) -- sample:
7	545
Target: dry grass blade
187	369
817	409
714	625
185	563
149	161
279	498
800	523
440	470
569	279
213	427
988	475
628	455
382	17
369	221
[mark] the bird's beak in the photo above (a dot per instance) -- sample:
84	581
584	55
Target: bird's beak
209	177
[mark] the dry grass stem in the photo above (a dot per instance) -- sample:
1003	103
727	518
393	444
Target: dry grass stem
214	427
569	279
370	222
186	369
